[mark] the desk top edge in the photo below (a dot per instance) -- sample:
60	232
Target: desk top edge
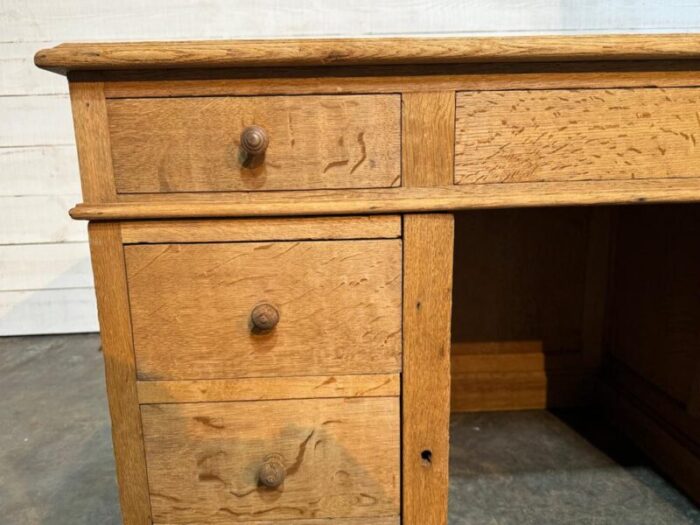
365	51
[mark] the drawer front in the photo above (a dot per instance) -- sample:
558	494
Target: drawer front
583	134
314	142
323	458
338	307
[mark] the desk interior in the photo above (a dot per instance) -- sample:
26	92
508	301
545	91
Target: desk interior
584	306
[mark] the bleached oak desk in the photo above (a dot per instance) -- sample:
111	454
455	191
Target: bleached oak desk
272	226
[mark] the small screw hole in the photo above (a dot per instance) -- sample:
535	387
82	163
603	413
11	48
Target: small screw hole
427	457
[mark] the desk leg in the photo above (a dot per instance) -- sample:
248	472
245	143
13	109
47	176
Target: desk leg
120	369
427	310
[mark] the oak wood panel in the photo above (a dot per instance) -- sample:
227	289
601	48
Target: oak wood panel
404	79
316	142
398	200
428	252
428	121
120	371
510	284
528	319
341	458
246	53
510	356
268	388
92	139
598	134
316	228
523	390
517	375
339	305
655	313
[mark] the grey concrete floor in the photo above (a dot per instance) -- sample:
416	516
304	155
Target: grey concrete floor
518	468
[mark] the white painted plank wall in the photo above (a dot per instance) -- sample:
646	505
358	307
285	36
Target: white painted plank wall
45	281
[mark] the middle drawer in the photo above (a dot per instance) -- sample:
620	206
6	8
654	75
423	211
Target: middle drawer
194	308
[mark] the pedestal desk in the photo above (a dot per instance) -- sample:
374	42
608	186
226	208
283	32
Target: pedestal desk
275	227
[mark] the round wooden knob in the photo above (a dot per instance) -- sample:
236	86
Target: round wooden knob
254	140
264	317
272	473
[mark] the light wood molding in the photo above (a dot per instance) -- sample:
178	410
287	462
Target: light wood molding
428	252
399	200
120	370
364	51
239	230
268	388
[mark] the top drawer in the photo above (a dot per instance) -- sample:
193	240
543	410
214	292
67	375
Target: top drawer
576	134
169	145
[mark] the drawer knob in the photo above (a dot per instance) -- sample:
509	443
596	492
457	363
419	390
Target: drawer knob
254	141
264	317
272	472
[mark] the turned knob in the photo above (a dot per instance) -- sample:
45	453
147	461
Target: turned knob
254	141
264	317
271	473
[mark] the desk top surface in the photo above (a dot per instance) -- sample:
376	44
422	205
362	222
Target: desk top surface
365	51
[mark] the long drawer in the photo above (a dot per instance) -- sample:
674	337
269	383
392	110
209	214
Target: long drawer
257	309
171	145
576	134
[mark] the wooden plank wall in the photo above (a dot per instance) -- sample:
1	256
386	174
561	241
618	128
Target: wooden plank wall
45	279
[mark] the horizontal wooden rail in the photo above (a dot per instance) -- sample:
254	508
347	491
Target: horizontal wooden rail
397	200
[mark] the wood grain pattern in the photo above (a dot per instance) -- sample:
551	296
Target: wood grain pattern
92	139
316	142
518	136
339	302
428	252
398	200
428	121
341	457
268	388
316	228
246	53
120	371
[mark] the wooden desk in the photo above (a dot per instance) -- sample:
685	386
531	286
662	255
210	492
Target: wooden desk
274	226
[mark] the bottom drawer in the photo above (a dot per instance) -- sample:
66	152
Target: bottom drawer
322	458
